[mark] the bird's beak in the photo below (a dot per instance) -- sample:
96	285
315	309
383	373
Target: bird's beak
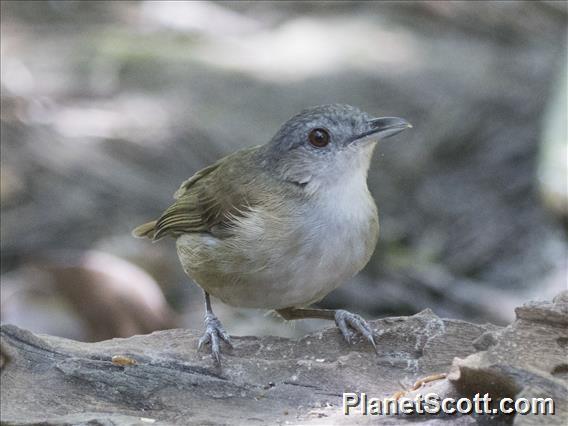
384	127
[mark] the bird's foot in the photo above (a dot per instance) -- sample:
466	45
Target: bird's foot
214	333
346	320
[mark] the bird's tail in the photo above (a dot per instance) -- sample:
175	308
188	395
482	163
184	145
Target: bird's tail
145	231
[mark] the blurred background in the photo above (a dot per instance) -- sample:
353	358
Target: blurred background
107	107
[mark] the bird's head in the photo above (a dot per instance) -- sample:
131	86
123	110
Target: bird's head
328	143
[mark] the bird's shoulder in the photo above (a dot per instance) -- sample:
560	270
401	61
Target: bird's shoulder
214	197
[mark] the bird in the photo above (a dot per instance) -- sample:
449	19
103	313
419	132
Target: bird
279	226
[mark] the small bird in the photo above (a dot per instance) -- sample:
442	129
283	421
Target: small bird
279	226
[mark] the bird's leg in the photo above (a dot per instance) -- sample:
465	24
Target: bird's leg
343	319
214	332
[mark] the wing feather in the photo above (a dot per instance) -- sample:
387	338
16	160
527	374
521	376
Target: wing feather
204	203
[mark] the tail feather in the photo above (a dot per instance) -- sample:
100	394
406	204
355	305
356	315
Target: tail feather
146	230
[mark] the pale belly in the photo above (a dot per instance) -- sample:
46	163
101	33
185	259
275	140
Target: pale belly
281	267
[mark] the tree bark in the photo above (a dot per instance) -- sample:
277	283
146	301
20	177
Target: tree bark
161	377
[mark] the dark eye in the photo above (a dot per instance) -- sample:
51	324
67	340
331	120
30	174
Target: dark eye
319	137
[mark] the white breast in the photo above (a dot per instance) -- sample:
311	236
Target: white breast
346	220
332	242
293	261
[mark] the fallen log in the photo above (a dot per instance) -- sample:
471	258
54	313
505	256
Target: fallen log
161	377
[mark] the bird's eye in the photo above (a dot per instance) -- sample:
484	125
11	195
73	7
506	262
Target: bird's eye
319	137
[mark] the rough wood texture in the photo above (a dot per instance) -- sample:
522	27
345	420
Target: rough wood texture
273	380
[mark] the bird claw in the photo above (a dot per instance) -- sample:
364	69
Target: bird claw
214	333
345	319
